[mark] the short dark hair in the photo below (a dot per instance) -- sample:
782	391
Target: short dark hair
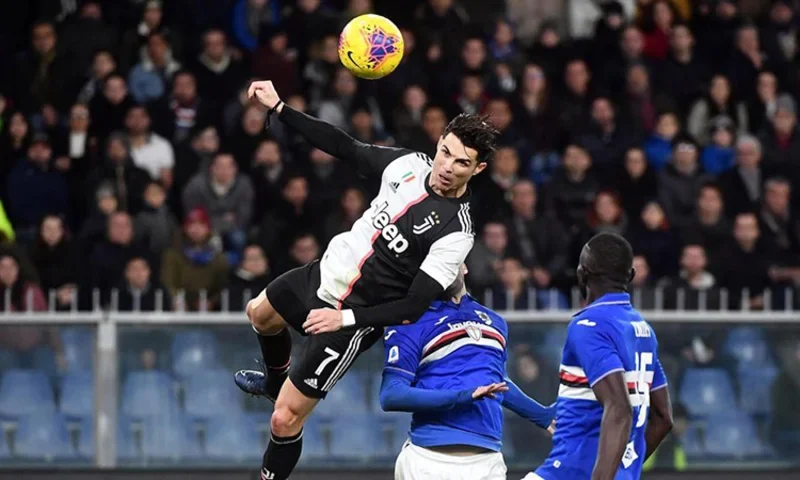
609	257
475	132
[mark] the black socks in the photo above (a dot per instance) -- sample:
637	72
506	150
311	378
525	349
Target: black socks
276	350
281	456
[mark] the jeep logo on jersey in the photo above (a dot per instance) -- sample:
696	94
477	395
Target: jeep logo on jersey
389	231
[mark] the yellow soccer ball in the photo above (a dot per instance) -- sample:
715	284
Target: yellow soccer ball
371	46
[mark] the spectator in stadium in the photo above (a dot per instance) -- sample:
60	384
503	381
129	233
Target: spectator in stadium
274	59
657	21
252	275
408	114
304	249
485	259
351	207
268	172
180	111
150	78
154	226
195	268
138	291
86	33
685	74
118	170
635	182
643	286
746	264
108	258
109	109
761	109
14	142
344	95
606	139
290	216
362	126
780	139
327	178
535	112
95	225
319	72
34	188
614	69
718	155
250	18
309	16
778	223
513	292
150	151
659	145
719	101
655	239
575	102
227	196
742	186
133	47
539	238
217	71
16	294
709	227
246	137
44	76
695	287
779	32
573	187
604	215
56	257
680	182
747	60
103	64
194	156
495	188
424	139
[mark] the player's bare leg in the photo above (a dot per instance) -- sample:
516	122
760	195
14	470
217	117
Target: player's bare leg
275	341
292	408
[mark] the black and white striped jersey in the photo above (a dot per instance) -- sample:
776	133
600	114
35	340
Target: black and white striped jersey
407	228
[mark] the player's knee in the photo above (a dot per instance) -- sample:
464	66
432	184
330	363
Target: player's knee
285	422
263	317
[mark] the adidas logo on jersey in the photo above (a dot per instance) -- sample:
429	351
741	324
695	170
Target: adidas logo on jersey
311	382
394	186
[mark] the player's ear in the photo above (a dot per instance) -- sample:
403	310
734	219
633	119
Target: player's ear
481	167
632	275
581	275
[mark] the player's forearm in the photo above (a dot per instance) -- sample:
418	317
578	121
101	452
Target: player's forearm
398	396
526	407
408	309
319	134
615	429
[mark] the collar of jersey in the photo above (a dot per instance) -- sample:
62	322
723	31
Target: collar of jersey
606	300
439	305
462	199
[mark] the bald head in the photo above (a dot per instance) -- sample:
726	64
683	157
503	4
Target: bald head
606	261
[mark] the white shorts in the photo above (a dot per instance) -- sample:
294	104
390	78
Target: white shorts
417	463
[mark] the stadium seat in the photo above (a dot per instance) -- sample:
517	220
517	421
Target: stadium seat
233	438
354	439
210	393
349	395
192	351
748	347
126	442
43	437
395	426
755	395
315	440
86	438
4	450
147	393
732	435
705	391
77	394
692	441
24	392
169	437
79	346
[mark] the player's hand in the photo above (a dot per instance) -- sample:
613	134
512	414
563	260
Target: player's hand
323	320
264	92
488	391
552	427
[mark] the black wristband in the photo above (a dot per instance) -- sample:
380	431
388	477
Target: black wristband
271	111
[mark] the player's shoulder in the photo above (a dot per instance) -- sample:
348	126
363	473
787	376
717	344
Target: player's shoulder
487	315
408	161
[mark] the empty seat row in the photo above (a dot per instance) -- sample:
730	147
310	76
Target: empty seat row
707	391
24	392
729	435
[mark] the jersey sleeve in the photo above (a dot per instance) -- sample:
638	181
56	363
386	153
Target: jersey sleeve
659	378
402	351
595	350
446	255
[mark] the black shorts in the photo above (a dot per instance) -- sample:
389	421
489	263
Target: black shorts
327	356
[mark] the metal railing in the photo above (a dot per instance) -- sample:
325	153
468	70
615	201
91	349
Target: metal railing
107	319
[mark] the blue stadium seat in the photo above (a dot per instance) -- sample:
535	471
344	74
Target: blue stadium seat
755	387
349	395
733	435
692	440
169	437
192	351
79	346
126	442
77	394
352	438
395	426
233	438
24	392
4	451
210	393
748	346
705	391
43	437
86	438
315	444
147	393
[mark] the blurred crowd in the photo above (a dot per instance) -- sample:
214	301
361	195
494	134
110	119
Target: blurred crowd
131	158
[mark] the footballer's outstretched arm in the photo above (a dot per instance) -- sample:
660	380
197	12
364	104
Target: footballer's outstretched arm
526	407
615	428
659	422
397	394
